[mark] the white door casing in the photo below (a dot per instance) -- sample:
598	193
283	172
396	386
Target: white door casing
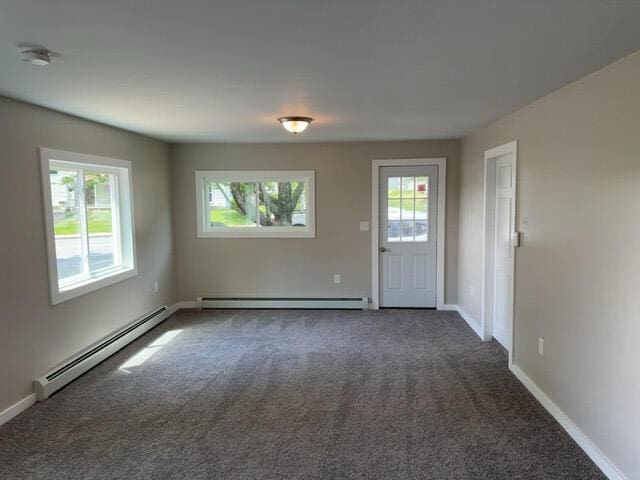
408	236
499	234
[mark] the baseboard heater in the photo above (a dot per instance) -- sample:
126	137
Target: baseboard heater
284	303
71	369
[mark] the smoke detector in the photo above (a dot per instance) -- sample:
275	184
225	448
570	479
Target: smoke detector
36	56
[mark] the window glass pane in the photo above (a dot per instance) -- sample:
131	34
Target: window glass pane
393	187
283	204
103	250
65	200
407	231
393	231
422	208
232	204
407	187
422	231
393	210
422	187
407	209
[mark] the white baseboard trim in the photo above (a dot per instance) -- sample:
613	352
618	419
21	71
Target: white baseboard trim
17	408
451	307
475	326
192	304
599	458
184	304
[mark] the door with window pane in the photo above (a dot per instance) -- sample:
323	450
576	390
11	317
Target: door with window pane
408	220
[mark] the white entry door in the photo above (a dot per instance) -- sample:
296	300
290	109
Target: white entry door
408	232
503	251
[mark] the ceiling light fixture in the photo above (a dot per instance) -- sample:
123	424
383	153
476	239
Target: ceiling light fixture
295	124
36	56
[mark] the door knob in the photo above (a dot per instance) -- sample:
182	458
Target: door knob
382	249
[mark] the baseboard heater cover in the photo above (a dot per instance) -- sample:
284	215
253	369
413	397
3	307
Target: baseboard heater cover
72	368
354	303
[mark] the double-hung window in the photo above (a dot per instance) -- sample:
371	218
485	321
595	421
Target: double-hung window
89	222
255	204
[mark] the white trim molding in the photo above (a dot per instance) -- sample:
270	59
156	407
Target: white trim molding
122	218
488	214
203	207
441	163
590	448
17	408
472	322
451	307
184	305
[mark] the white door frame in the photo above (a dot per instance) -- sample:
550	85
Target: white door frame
441	163
490	157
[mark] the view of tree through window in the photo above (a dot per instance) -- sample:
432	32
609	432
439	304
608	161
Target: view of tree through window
268	204
282	203
235	204
232	204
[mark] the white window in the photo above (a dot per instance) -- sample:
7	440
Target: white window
255	204
89	221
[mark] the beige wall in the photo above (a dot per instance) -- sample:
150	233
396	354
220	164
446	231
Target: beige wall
35	336
298	266
578	271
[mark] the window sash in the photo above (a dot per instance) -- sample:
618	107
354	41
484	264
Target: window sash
204	209
88	272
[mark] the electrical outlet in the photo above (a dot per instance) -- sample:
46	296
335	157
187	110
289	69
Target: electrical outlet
364	226
155	286
337	278
541	346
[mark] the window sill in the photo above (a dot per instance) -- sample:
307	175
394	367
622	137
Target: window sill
91	284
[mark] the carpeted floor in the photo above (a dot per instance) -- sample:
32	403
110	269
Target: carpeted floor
258	394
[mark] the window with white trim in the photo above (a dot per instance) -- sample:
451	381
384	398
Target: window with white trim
255	204
89	222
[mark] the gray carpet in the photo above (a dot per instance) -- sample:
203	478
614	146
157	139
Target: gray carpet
260	394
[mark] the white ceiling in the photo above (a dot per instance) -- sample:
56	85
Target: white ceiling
203	70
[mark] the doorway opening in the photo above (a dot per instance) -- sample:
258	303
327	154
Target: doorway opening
499	241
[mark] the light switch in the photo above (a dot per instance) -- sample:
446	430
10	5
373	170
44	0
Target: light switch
364	226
